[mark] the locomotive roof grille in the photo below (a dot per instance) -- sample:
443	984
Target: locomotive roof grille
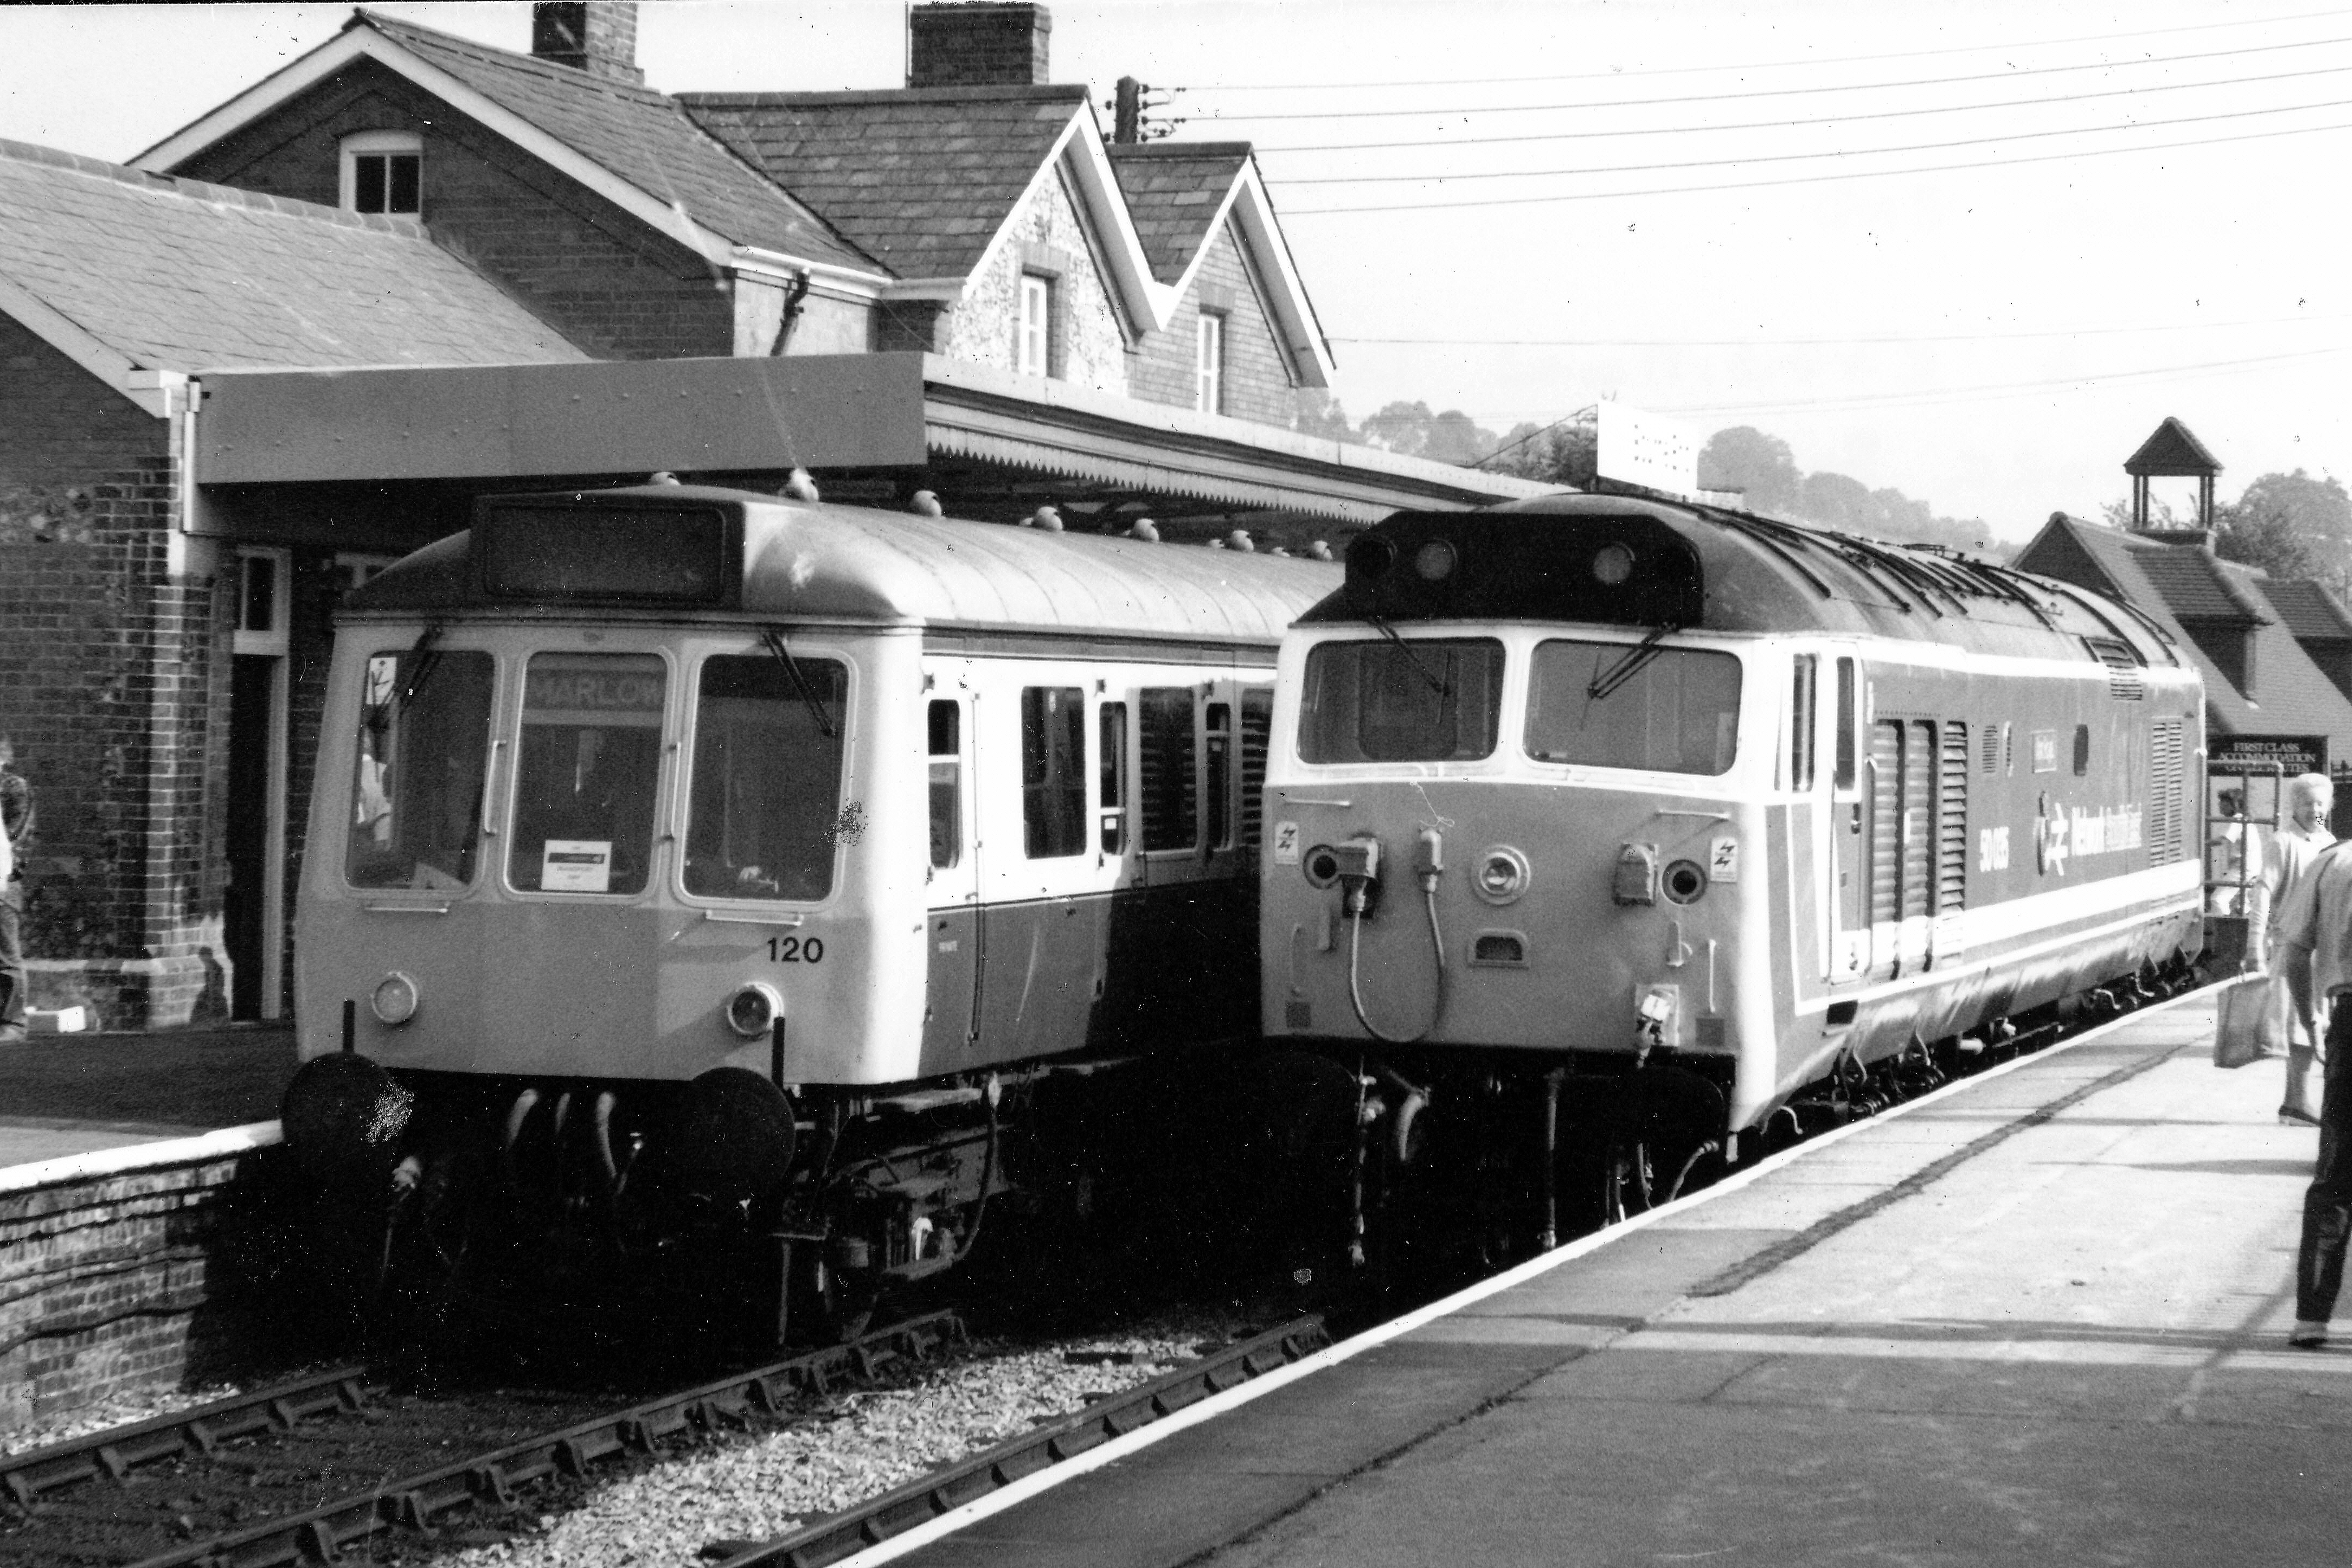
1635	561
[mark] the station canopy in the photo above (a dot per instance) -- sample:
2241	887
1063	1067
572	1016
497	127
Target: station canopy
394	455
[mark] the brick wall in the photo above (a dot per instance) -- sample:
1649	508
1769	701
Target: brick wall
318	588
109	683
594	273
985	44
1257	379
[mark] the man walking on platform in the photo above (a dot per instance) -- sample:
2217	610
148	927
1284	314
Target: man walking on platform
16	827
2317	919
2288	858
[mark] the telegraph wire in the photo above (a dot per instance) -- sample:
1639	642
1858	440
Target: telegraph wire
1770	92
1812	120
1900	340
1771	65
2191	142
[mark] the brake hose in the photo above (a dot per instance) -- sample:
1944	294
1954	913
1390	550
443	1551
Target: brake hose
1356	901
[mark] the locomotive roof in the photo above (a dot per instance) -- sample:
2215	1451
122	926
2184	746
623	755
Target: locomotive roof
815	562
1696	567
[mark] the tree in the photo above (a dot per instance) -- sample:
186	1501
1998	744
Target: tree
1834	500
1315	412
1745	459
2266	534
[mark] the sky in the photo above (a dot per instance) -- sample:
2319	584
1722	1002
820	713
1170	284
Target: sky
1972	252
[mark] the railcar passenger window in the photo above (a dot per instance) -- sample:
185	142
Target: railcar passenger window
1171	818
947	784
1111	722
767	779
1678	712
1053	769
586	772
1801	725
1220	774
1429	700
416	814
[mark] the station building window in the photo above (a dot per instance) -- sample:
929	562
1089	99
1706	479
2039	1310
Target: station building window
1033	344
1209	364
384	172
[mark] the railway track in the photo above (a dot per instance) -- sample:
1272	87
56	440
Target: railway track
305	1470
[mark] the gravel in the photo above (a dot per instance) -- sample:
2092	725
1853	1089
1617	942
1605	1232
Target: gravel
849	1449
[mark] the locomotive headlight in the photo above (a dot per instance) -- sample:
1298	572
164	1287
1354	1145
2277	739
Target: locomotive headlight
754	1009
1434	561
1612	564
394	999
1501	874
1685	881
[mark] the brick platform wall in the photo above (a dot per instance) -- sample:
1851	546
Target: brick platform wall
111	682
1258	380
118	1283
594	273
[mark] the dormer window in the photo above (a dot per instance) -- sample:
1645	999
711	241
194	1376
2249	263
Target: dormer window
384	172
1209	364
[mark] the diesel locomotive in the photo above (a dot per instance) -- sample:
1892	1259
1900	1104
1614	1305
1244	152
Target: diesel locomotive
690	867
1611	838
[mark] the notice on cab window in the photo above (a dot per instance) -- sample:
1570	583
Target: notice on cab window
576	866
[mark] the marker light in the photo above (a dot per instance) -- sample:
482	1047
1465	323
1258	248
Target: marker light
753	1009
1434	561
1502	874
394	999
1612	564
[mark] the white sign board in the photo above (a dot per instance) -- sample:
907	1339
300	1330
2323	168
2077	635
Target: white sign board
1637	447
576	866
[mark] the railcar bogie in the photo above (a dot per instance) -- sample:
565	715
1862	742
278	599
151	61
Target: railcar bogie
694	869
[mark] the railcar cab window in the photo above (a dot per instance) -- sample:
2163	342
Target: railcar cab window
586	772
767	778
423	741
1436	699
1677	713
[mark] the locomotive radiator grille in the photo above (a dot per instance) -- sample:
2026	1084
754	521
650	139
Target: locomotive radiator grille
2167	807
1952	820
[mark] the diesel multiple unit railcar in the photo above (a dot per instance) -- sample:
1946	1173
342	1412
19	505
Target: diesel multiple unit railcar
684	861
1607	823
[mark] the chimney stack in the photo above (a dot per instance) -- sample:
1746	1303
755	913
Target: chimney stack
599	36
984	45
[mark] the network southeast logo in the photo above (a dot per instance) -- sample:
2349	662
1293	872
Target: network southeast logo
2063	833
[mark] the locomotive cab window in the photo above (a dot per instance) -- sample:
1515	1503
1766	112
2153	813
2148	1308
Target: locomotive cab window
2082	750
423	741
1847	772
586	772
1677	711
766	784
1432	700
1801	723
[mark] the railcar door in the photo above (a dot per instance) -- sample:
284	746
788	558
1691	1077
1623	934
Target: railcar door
959	921
1849	858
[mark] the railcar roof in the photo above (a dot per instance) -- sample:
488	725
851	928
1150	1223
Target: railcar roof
1754	575
831	563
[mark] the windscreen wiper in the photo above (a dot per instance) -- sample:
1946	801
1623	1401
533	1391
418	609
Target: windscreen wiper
423	660
775	641
1637	658
1411	658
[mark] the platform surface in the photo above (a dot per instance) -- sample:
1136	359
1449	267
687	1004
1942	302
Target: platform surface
77	1094
2040	1321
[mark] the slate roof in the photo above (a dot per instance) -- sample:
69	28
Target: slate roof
2292	695
639	134
2309	610
2173	451
179	275
2198	587
1173	190
921	178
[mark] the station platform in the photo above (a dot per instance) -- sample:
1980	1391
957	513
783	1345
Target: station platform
2039	1317
63	1095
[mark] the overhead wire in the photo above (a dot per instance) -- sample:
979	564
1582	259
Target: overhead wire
1749	94
2071	97
1818	179
1776	65
1953	144
1891	340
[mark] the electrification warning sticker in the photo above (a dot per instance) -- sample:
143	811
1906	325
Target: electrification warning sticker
1286	844
1723	860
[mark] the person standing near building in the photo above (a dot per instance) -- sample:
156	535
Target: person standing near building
2288	856
15	828
2317	919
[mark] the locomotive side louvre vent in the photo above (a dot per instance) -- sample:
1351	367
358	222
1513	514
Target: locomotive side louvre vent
1886	818
1952	820
1989	750
2167	822
1257	724
2123	662
1920	760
